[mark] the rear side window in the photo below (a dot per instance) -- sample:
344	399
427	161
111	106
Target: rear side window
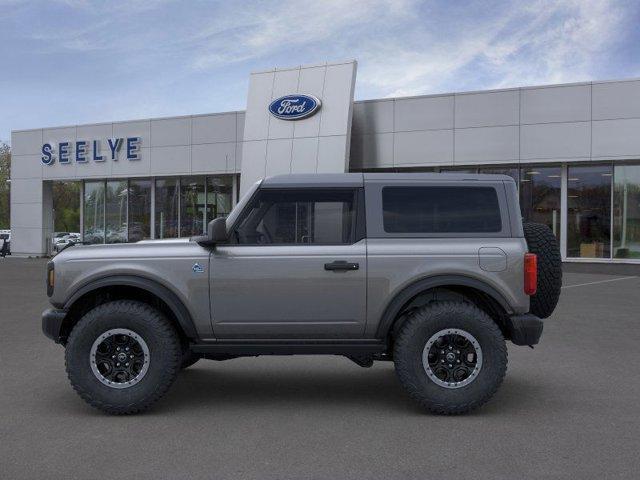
440	209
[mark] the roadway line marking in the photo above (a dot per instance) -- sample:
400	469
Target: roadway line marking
599	281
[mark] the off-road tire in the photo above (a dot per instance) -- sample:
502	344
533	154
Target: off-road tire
165	356
415	333
541	241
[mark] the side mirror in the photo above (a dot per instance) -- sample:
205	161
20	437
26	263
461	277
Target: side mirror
217	231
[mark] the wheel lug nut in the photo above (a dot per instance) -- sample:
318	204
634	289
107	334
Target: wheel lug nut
113	356
450	348
117	364
118	349
458	361
450	365
127	349
126	364
131	356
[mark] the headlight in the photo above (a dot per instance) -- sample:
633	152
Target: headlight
51	278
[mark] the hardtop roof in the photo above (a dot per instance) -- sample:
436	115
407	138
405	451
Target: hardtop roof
358	179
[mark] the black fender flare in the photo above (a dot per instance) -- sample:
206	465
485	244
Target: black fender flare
407	293
167	296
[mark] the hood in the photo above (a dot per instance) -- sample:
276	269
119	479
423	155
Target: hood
176	247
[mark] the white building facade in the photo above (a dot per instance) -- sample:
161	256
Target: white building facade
573	149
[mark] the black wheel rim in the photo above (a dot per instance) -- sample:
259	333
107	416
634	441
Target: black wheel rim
452	358
119	358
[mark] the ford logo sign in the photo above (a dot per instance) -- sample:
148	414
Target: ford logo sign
294	107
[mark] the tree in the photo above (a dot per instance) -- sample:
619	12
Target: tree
5	185
66	206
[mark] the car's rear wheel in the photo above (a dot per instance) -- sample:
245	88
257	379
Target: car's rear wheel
122	356
451	357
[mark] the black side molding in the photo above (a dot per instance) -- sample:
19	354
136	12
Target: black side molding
393	308
167	296
290	347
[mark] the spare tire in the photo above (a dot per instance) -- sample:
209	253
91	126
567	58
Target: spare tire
542	242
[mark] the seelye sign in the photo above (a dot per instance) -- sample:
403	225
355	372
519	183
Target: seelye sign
82	151
294	107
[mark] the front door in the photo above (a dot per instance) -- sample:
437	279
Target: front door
295	267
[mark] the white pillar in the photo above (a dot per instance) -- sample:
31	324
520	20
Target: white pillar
563	212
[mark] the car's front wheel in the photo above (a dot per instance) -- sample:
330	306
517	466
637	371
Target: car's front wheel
122	356
450	356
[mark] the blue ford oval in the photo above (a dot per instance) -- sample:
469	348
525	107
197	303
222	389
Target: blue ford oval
294	107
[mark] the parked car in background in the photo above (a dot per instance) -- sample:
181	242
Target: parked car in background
64	240
5	242
57	236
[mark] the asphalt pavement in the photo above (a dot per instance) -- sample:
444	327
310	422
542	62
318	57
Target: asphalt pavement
570	408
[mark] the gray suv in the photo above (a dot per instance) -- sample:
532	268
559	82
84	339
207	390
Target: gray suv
434	272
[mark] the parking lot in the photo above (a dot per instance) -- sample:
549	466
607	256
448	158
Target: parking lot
570	408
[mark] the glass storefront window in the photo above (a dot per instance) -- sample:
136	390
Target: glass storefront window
626	211
589	211
219	196
93	228
540	189
139	209
66	206
192	206
167	196
116	211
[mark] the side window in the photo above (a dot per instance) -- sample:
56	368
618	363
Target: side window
298	217
441	209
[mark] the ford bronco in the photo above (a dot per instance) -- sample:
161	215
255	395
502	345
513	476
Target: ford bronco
434	272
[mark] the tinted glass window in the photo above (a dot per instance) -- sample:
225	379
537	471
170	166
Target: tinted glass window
589	211
93	229
540	196
66	207
139	209
167	195
116	211
219	196
626	211
192	206
298	217
441	210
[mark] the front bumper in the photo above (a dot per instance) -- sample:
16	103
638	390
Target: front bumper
525	329
52	320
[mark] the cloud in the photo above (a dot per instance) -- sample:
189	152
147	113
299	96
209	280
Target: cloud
170	57
404	47
410	48
540	42
264	29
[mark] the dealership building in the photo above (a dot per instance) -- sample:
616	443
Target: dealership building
573	149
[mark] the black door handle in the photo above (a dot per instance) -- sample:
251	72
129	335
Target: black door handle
341	265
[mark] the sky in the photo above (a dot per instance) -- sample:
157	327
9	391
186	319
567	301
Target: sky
76	61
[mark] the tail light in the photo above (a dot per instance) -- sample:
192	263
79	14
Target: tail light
530	273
